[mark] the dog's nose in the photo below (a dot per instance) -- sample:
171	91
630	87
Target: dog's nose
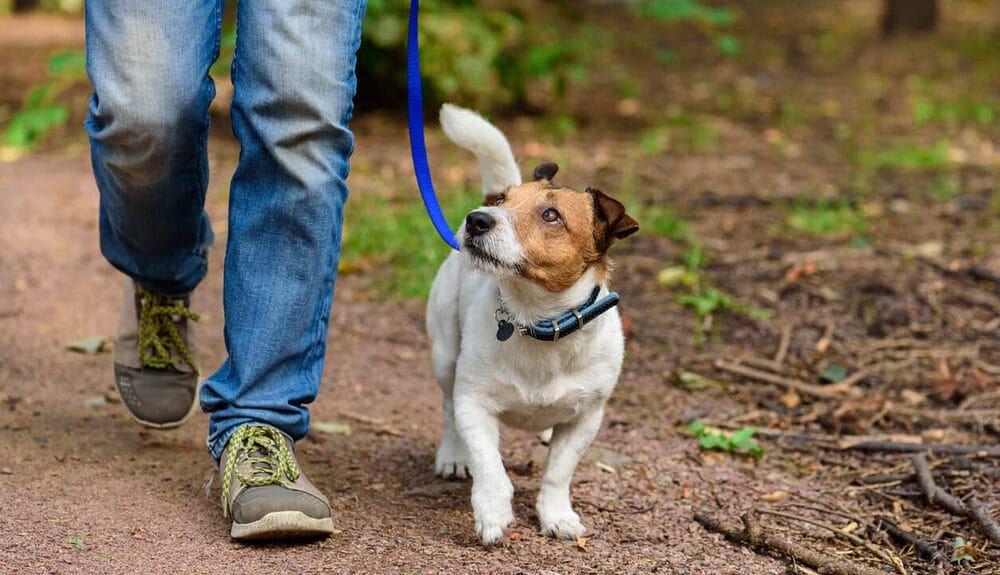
478	223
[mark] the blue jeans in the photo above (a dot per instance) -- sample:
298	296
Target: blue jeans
294	80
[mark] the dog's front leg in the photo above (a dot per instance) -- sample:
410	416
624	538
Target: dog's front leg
492	490
569	441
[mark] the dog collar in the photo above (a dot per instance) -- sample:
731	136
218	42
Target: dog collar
560	326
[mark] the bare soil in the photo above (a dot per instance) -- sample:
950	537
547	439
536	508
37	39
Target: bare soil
913	311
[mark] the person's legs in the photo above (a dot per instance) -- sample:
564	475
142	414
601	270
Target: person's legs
294	81
148	125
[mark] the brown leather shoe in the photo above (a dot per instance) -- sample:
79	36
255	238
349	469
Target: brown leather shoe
155	357
265	493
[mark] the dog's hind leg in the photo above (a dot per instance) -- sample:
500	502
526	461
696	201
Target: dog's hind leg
569	442
452	457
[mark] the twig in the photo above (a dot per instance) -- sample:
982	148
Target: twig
949	502
823	343
981	514
786	338
947	415
382	427
752	535
908	447
839	533
923	548
819	391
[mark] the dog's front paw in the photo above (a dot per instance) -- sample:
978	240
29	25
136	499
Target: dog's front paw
492	509
451	461
490	526
560	521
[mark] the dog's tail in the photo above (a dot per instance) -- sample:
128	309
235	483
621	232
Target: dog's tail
474	133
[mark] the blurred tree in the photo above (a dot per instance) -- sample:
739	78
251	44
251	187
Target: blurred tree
25	5
909	16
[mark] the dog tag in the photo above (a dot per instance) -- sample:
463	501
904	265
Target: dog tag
505	329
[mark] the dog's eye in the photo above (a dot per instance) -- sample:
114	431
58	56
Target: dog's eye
500	199
550	215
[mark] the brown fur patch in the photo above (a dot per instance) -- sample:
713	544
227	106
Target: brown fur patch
557	254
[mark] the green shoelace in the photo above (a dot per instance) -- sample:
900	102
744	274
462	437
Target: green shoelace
157	332
270	460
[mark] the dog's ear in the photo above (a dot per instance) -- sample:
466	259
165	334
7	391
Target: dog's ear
546	171
611	220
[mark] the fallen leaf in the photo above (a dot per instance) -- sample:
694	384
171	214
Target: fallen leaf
330	427
605	467
88	345
790	399
671	276
775	496
515	536
581	543
833	373
689	380
96	401
911	397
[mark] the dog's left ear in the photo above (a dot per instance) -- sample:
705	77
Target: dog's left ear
612	221
546	171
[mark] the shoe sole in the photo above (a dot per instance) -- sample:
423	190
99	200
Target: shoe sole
169	424
282	525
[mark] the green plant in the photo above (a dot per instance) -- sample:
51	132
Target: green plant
706	300
42	111
711	20
739	441
483	57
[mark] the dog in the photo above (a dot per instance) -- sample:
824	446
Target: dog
523	329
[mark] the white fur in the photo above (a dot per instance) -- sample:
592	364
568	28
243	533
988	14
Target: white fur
474	133
523	382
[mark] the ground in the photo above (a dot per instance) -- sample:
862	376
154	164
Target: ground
883	327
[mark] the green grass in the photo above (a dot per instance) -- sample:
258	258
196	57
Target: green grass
907	157
398	235
827	218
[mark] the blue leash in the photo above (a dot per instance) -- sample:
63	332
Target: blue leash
415	105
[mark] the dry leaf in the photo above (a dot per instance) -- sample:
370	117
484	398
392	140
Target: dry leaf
790	399
775	496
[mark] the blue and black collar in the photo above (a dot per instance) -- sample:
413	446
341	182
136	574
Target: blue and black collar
560	326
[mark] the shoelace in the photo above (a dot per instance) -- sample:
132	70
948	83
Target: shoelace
157	332
270	460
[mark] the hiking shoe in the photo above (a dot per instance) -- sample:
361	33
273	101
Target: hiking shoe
265	493
156	370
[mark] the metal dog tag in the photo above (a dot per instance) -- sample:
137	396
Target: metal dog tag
505	329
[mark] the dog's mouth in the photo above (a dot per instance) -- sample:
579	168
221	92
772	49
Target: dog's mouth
486	261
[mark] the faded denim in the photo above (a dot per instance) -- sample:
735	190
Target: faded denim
294	80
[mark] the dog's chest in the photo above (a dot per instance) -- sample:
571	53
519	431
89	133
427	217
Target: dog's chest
539	400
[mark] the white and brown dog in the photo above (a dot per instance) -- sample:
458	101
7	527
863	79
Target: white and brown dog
533	261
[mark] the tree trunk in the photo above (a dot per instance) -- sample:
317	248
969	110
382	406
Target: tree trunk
909	16
24	5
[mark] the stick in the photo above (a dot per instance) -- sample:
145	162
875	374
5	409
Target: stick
982	515
924	549
752	535
786	338
936	449
950	503
842	534
807	388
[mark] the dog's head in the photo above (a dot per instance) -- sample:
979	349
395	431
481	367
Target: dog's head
545	233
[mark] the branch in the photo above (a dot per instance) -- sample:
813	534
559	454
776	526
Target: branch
753	536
